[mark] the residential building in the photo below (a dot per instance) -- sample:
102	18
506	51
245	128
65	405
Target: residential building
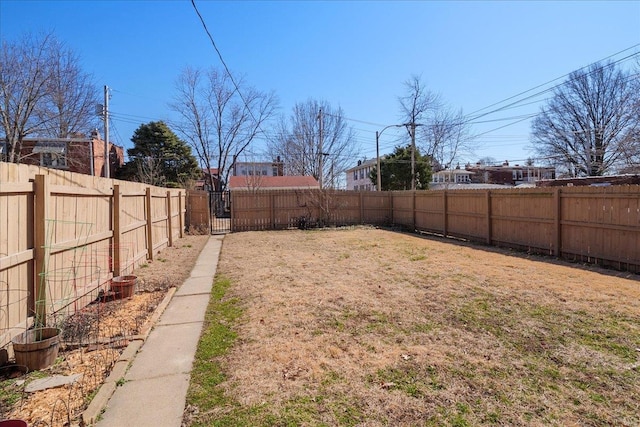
593	181
259	182
275	168
79	154
358	176
450	176
208	176
506	174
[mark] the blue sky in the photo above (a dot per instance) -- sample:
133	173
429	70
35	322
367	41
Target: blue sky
355	55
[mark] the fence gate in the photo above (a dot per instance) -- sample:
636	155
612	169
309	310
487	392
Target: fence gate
220	208
198	216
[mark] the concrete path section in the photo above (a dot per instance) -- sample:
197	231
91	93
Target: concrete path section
155	385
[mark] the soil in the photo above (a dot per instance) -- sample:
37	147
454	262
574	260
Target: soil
93	339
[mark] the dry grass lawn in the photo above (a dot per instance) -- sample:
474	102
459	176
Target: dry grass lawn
369	327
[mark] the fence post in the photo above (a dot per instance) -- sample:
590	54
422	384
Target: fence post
272	215
413	217
488	199
361	207
40	230
117	236
557	250
182	198
149	225
390	207
445	219
169	218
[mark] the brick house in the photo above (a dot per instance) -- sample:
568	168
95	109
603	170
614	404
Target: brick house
510	175
599	181
207	176
80	154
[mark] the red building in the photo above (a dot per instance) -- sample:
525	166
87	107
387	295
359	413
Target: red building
81	155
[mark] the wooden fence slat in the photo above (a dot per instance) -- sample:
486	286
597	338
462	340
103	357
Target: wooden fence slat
544	220
55	223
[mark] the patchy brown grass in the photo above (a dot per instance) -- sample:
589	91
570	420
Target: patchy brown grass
371	328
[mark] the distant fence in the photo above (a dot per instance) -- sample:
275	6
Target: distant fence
63	236
591	224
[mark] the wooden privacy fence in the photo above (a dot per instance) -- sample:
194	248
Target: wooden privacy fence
64	236
591	224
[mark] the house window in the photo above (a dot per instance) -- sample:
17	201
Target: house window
53	154
355	175
53	160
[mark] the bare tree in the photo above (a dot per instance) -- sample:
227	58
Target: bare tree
445	137
418	102
297	141
149	171
631	151
488	161
42	92
442	133
218	119
23	86
415	106
72	95
588	126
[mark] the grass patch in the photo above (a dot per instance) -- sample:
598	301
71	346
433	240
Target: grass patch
11	388
218	336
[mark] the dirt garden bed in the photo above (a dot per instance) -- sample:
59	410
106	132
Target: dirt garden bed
93	340
369	327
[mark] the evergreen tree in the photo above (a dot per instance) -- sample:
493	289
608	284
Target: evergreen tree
159	157
396	170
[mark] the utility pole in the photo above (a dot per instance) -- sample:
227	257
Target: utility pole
320	153
105	113
333	163
413	155
378	174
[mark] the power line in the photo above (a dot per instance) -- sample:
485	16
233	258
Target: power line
558	78
233	80
472	117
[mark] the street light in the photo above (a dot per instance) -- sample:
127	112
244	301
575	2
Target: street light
378	171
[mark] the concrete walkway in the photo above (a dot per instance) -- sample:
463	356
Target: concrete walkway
155	384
